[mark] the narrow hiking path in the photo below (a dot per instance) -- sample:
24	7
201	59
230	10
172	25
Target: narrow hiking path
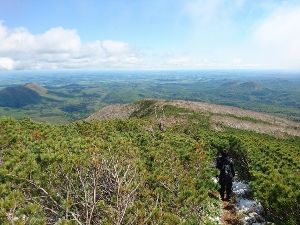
229	215
242	208
248	209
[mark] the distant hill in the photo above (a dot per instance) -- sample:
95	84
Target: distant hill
252	86
245	86
21	95
229	84
37	88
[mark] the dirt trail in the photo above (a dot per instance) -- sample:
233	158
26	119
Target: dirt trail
229	215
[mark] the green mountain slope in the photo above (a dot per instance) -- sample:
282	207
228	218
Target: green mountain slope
18	96
130	171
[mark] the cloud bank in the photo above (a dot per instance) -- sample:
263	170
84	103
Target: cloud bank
60	48
6	63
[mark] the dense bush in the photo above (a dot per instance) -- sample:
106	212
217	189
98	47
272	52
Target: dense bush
101	173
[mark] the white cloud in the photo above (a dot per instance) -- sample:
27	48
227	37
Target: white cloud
277	38
58	40
115	47
6	63
60	48
271	40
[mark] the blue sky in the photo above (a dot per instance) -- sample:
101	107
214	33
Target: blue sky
144	34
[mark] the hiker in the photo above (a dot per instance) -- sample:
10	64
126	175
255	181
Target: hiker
161	126
226	167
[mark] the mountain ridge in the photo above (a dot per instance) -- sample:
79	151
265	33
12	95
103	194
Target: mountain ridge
21	95
37	88
220	115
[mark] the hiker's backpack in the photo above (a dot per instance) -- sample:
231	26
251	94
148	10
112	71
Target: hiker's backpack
226	170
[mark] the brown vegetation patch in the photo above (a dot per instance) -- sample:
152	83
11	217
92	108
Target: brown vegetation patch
275	130
117	111
229	215
241	118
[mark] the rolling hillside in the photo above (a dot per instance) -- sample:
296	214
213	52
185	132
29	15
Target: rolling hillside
37	88
19	96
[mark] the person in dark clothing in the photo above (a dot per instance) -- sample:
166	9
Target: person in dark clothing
227	173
